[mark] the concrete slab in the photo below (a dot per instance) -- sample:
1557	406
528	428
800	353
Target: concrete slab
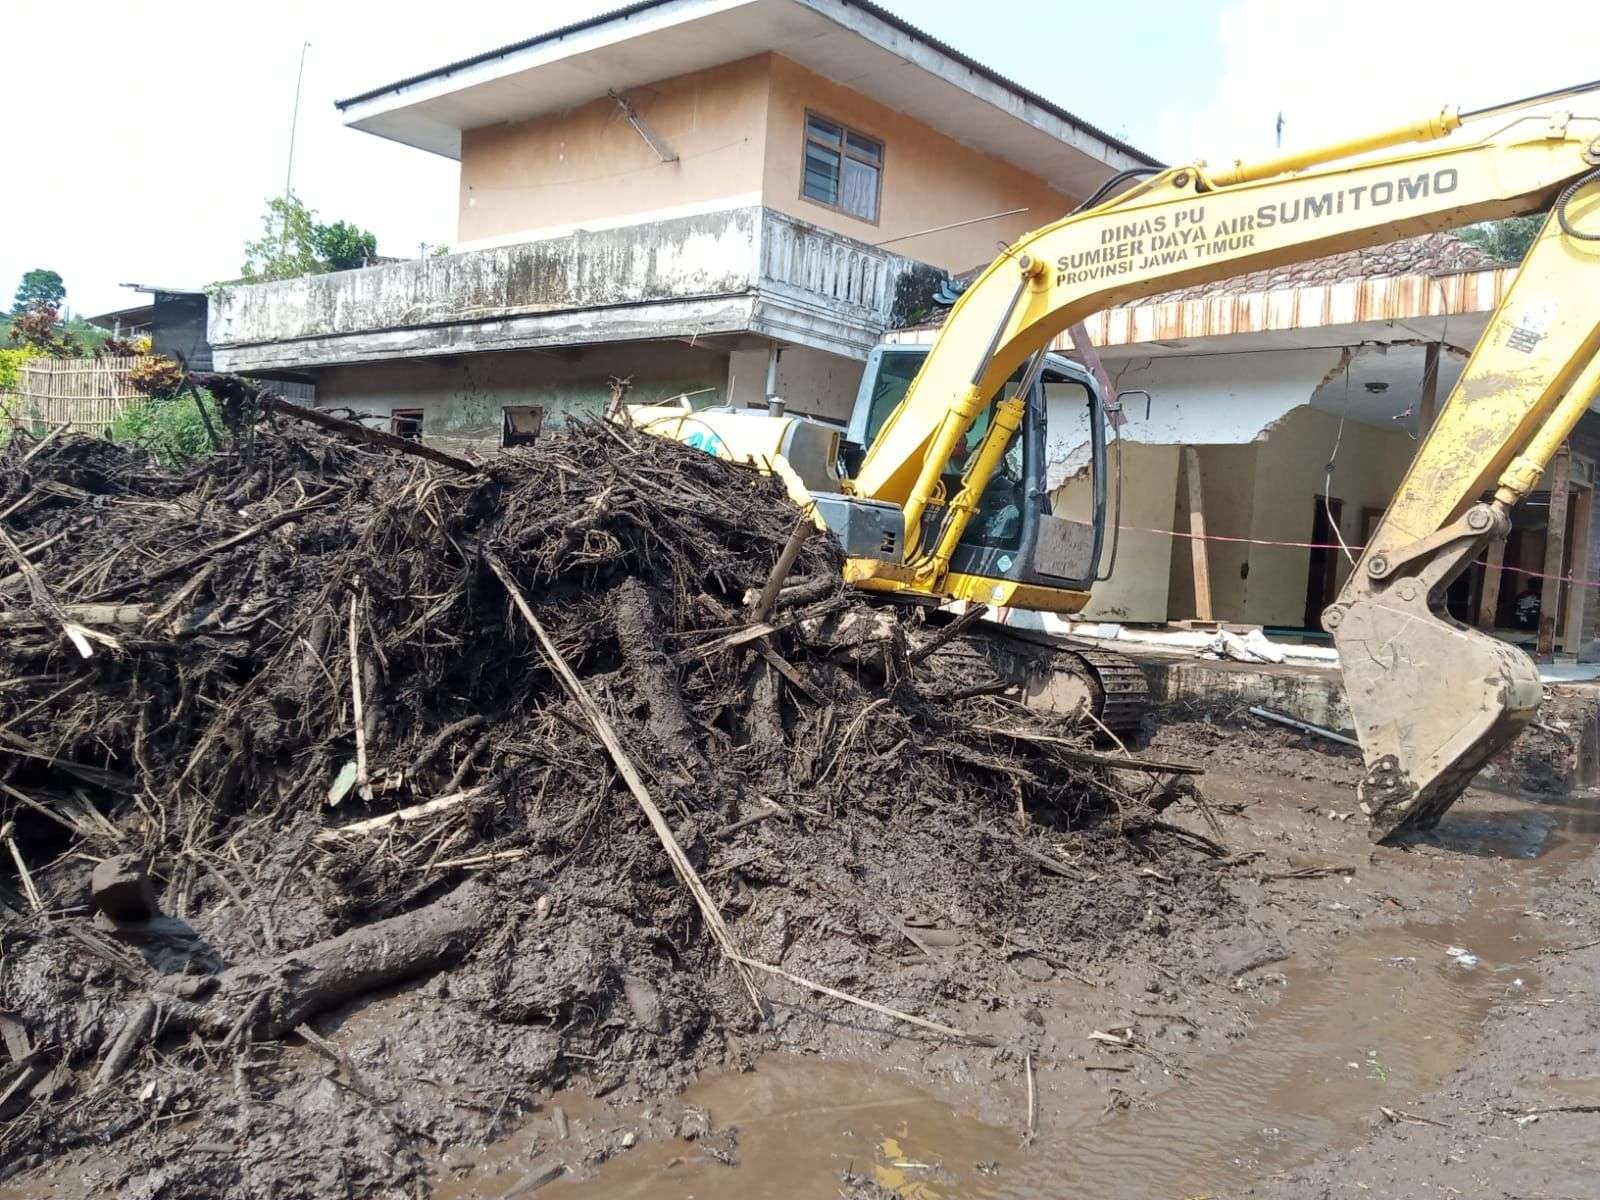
1307	693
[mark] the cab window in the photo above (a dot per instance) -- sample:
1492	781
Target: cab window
896	370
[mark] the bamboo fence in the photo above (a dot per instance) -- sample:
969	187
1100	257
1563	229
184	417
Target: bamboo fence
88	392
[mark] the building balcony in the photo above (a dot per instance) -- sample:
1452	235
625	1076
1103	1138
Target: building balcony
739	271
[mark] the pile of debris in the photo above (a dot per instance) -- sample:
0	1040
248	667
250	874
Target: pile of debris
590	740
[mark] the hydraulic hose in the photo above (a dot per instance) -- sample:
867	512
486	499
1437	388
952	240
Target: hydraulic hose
1561	207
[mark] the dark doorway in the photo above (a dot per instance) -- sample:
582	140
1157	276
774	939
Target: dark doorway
1322	570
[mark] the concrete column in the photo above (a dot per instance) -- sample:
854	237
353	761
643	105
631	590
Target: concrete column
1578	599
1555	545
1428	409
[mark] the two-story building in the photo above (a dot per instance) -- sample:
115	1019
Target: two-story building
729	198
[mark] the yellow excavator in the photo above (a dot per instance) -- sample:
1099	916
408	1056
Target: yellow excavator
936	488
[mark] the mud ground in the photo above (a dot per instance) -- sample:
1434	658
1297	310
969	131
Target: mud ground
1325	1022
1188	1056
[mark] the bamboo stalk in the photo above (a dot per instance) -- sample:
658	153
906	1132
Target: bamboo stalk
413	813
362	782
884	1009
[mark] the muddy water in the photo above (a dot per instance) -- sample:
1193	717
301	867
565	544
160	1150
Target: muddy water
1376	1019
1382	1017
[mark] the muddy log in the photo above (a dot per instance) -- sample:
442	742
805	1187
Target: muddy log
655	676
266	998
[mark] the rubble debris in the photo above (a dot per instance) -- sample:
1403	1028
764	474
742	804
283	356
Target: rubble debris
372	721
120	889
1304	726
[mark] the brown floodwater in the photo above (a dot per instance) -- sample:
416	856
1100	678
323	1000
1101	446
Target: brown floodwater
1374	1019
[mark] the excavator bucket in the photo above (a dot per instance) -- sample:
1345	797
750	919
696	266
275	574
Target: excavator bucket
1432	700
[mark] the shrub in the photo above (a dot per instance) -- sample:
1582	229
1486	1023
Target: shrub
171	428
156	376
39	329
11	367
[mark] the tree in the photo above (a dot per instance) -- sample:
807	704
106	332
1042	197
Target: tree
38	286
293	244
1508	239
342	246
286	249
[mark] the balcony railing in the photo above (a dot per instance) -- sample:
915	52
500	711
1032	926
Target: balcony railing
749	251
824	266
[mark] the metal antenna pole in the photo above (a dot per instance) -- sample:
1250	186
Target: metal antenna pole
294	122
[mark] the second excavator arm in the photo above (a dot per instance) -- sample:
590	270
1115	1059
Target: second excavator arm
1432	699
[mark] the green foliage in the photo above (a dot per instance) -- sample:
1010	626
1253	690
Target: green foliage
343	246
1508	239
89	338
11	367
286	249
171	429
293	244
38	287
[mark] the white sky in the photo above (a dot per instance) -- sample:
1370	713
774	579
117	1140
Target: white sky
1335	69
143	145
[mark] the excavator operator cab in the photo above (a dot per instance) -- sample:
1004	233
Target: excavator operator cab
1015	534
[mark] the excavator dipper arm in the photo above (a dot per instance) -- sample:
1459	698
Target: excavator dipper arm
1431	698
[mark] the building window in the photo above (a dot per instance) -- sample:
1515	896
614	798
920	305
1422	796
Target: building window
842	169
406	423
520	424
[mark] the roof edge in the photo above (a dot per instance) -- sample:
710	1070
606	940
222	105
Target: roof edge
553	35
867	6
993	76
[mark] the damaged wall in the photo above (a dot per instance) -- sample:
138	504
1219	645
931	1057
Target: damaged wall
1262	452
811	382
1290	466
1216	399
1228	487
1137	589
461	395
1265	491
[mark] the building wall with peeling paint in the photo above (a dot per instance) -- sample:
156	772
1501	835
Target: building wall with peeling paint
1290	471
461	396
686	258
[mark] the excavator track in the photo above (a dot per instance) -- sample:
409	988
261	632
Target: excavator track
1124	691
1062	675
